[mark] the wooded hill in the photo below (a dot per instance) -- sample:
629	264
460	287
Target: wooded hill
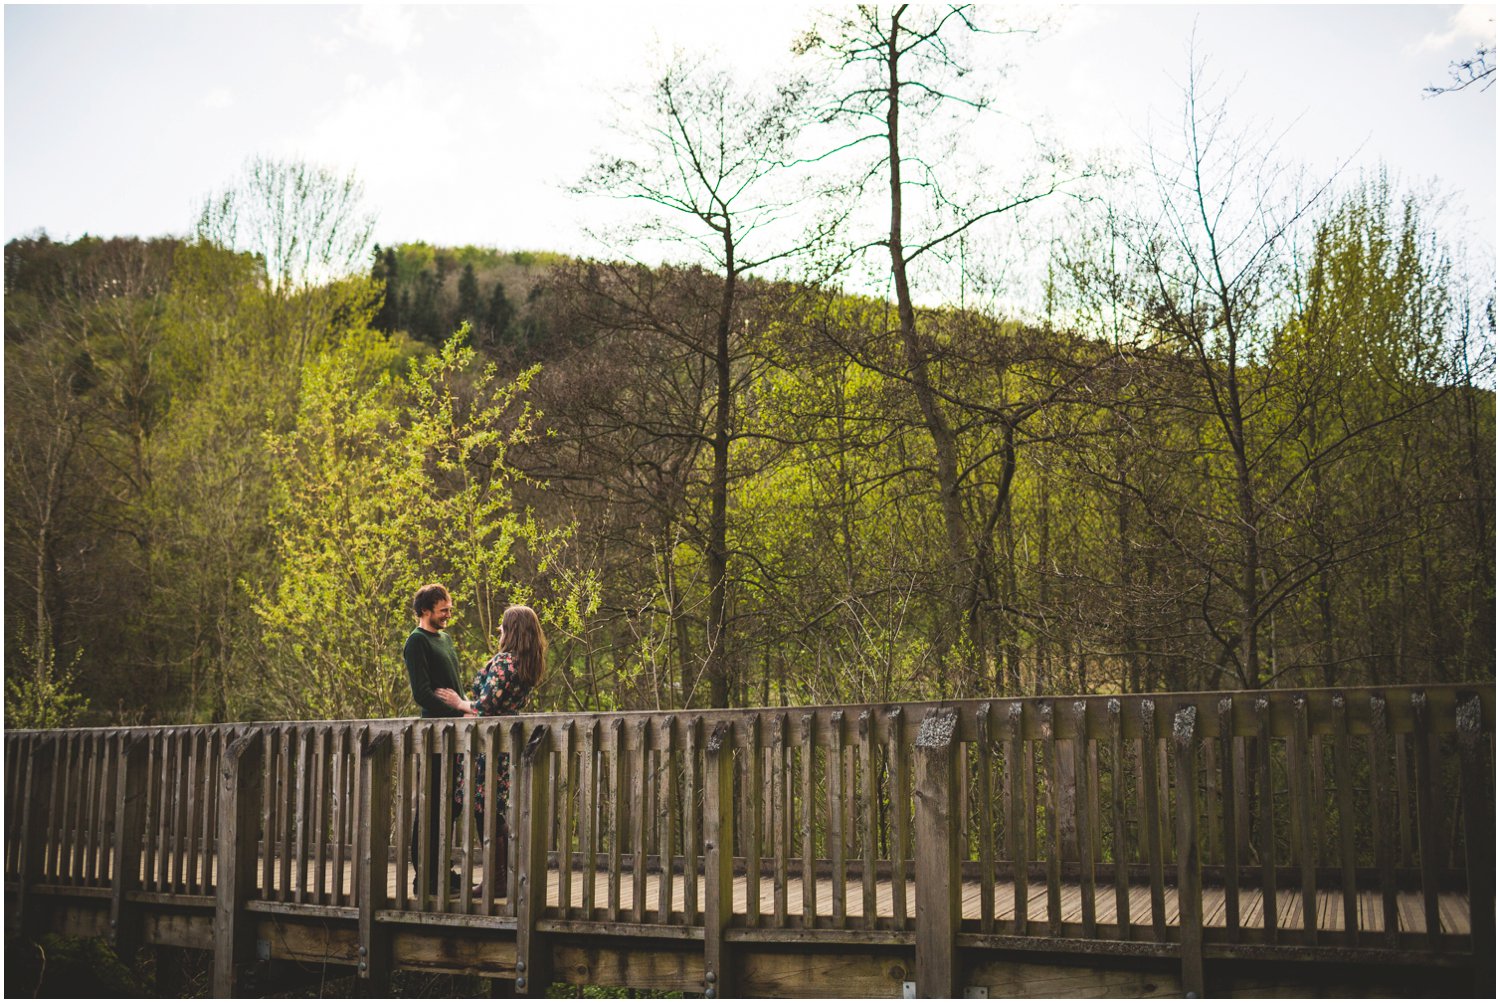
221	489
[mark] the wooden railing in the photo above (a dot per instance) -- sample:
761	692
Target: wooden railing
1152	826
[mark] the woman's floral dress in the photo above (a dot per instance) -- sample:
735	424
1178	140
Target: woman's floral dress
498	689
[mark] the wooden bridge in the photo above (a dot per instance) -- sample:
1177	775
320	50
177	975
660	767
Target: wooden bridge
1133	845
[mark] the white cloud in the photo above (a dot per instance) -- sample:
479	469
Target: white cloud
1471	25
217	99
388	27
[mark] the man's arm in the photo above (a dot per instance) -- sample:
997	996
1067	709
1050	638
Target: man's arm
416	655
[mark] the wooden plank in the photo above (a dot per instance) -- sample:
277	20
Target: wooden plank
719	859
1403	798
1343	778
94	818
1299	774
1231	786
1266	830
900	765
341	768
71	801
514	737
938	884
372	844
1020	820
643	783
567	787
533	953
692	835
41	771
753	758
1088	851
130	812
234	928
1189	875
1117	810
1151	793
1476	780
189	836
422	803
1380	823
621	817
444	849
1058	800
1429	801
834	770
781	803
284	797
809	822
986	757
320	797
491	819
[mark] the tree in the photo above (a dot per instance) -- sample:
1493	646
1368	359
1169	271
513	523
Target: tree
1465	73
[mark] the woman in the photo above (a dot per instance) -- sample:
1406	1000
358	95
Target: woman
501	687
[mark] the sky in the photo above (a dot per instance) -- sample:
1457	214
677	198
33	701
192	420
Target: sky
467	124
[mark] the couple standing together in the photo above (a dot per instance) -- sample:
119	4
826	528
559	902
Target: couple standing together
501	687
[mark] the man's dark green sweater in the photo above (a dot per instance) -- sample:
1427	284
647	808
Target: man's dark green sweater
431	664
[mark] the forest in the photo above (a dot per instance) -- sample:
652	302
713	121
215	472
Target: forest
825	420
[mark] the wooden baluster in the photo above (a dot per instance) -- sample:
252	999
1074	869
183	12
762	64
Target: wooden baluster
1189	873
491	819
267	851
1476	781
41	770
300	823
567	787
781	803
444	849
1266	831
342	766
371	850
939	881
1380	824
1151	791
1299	751
1344	779
1230	786
754	787
467	734
809	861
54	846
692	842
643	783
190	815
533	954
422	802
1403	798
284	797
868	835
1117	807
320	796
1052	809
718	811
1088	851
514	736
402	808
234	927
1020	820
1428	800
621	818
669	792
834	768
588	796
900	767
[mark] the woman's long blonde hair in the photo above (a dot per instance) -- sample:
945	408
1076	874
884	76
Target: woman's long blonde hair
525	642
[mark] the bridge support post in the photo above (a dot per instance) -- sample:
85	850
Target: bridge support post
533	953
374	835
130	818
1476	777
239	803
939	885
718	863
1189	869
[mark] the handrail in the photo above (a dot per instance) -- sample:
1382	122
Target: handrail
1166	822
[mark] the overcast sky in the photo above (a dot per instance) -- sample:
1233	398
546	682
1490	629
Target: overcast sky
466	123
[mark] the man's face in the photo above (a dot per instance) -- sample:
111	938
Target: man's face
440	614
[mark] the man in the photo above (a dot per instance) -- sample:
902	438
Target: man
432	664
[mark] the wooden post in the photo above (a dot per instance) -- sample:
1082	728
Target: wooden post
39	777
718	864
1428	798
939	885
1189	872
234	930
130	819
533	955
1476	775
1151	794
373	828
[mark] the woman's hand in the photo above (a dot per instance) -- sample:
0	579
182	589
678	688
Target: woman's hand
455	701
